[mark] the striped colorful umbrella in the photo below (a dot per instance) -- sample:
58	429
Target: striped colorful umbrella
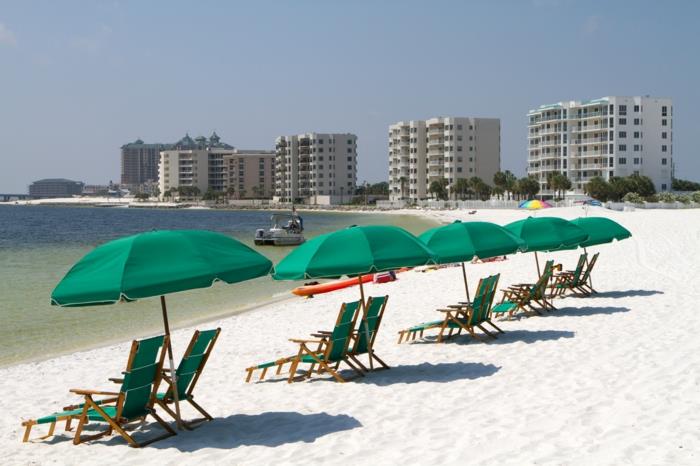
534	204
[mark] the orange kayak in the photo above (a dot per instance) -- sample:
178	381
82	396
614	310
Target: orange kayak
330	286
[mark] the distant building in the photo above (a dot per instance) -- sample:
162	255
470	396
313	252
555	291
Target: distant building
449	148
316	168
606	137
209	164
250	173
139	164
55	187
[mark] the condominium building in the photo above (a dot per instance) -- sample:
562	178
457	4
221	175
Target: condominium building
316	168
606	137
55	187
209	164
443	148
139	163
250	173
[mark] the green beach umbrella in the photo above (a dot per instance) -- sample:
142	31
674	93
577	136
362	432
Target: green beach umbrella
155	264
462	241
600	230
547	234
354	251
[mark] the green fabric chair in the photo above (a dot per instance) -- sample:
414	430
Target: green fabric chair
569	280
188	372
368	327
465	316
577	281
331	349
525	296
133	403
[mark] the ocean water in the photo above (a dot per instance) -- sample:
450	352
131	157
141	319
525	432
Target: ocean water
39	244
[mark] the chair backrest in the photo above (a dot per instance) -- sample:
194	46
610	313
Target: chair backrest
340	337
579	268
481	298
194	359
141	378
486	311
369	324
540	286
587	273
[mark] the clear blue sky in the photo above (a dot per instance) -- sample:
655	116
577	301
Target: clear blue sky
80	78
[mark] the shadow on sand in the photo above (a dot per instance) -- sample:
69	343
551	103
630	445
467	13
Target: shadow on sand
438	373
511	336
270	429
624	294
586	311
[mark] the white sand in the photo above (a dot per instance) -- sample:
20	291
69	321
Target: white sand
609	379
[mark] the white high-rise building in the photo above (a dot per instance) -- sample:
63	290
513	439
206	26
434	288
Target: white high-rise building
423	151
316	168
606	137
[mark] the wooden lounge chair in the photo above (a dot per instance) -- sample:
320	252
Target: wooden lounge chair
132	403
577	281
331	349
568	280
368	327
525	297
466	316
188	372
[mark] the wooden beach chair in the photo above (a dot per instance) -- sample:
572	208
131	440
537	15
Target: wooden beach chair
131	404
188	372
568	280
524	297
331	349
461	317
577	281
366	334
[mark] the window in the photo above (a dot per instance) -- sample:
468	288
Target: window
349	159
459	127
320	149
622	147
622	121
636	160
636	109
664	135
622	109
612	109
459	148
663	122
320	141
459	138
664	148
459	159
349	141
459	169
349	167
611	162
622	161
636	134
663	187
622	134
636	147
471	148
664	111
471	127
349	150
664	161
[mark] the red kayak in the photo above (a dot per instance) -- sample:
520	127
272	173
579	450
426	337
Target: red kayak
330	286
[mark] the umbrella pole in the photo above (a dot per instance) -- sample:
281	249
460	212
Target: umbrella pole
537	261
590	279
466	285
173	376
364	313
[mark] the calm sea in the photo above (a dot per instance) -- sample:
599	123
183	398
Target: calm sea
38	245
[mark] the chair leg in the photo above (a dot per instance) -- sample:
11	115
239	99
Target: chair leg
28	428
494	326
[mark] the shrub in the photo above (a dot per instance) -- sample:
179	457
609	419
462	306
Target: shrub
696	197
667	197
682	198
634	198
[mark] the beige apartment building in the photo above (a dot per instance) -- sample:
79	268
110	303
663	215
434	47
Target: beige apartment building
449	148
211	164
316	168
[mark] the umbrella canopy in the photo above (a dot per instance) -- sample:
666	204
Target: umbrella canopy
157	263
462	241
356	250
534	204
547	233
600	230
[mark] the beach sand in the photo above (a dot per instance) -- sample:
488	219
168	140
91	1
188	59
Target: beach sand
609	379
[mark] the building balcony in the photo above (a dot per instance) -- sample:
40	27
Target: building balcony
550	143
583	129
589	166
589	141
589	153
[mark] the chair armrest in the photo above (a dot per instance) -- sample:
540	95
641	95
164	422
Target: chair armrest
106	401
116	380
301	340
79	391
321	335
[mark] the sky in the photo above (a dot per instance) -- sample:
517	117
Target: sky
78	79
